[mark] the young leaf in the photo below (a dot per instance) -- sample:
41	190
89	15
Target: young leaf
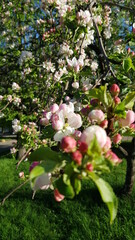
127	64
129	100
36	171
66	190
107	195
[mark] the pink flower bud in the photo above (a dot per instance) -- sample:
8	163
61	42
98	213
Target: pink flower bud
54	108
132	126
34	164
133	54
117	138
117	100
57	125
128	50
104	124
89	167
130	118
113	157
77	134
107	146
44	121
68	144
58	196
82	146
114	89
75	85
77	157
118	42
89	134
21	175
96	115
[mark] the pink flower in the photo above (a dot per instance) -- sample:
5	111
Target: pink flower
57	125
58	196
104	124
54	108
42	182
21	174
113	157
130	118
107	146
92	131
75	85
114	89
68	144
89	167
44	121
117	138
96	115
77	134
74	120
77	157
132	126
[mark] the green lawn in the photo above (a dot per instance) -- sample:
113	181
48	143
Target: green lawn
83	218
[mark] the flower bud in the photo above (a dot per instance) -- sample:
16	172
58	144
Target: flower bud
34	164
89	167
130	118
21	175
58	196
104	123
107	146
75	85
94	102
113	157
117	138
82	146
89	134
117	100
77	157
114	89
96	115
85	110
68	144
54	108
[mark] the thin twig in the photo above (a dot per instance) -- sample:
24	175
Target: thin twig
14	190
65	89
102	45
114	4
5	107
23	157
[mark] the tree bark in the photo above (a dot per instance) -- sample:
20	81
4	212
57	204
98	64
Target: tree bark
130	172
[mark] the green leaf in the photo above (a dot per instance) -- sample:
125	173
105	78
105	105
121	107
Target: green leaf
127	64
100	94
50	158
48	132
36	171
107	195
77	185
120	110
129	100
94	149
66	190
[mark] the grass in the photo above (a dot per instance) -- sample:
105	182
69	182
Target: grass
83	218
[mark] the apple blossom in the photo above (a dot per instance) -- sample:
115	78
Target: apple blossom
113	157
117	138
107	145
117	100
42	182
77	157
130	118
89	133
75	85
89	167
21	175
82	146
68	144
54	108
58	196
96	116
104	123
114	89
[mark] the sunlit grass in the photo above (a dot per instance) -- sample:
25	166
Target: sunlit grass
83	218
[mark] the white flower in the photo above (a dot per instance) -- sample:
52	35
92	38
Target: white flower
15	86
94	66
1	97
42	182
92	131
75	85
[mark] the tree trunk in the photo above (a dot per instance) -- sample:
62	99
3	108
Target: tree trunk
130	173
